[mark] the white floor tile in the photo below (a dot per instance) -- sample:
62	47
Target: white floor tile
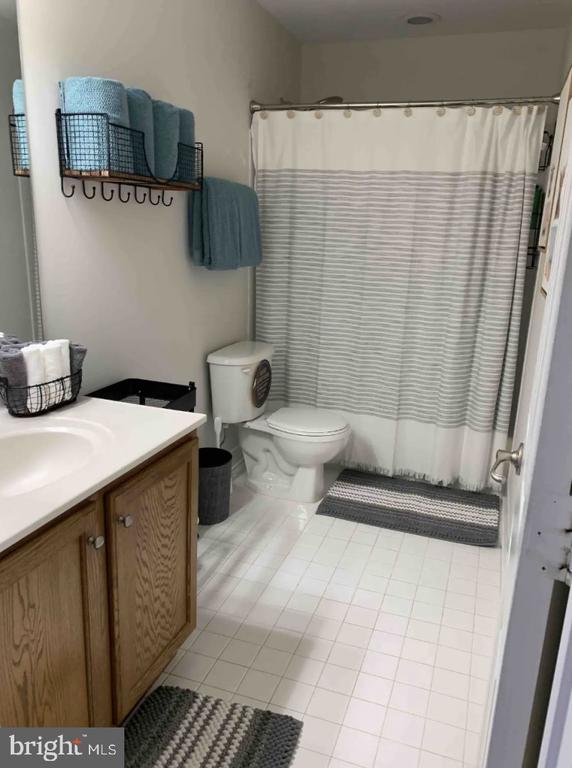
258	685
356	746
373	688
240	652
319	735
380	641
365	716
193	666
392	754
409	698
349	656
293	695
403	727
328	705
444	740
339	679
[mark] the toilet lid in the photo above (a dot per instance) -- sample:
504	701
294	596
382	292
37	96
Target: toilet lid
306	421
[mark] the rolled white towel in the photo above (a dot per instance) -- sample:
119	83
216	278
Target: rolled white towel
34	358
53	370
64	349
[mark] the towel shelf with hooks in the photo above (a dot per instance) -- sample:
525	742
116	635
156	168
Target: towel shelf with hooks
95	151
19	144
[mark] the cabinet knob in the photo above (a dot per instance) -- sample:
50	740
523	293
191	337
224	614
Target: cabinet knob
96	542
126	520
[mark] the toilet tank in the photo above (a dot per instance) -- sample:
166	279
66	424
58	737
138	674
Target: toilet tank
240	380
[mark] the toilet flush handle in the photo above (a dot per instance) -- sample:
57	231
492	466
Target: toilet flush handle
246	370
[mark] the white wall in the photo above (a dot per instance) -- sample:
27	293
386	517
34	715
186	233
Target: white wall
503	64
118	277
15	315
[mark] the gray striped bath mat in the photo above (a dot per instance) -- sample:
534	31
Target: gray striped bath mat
178	728
414	507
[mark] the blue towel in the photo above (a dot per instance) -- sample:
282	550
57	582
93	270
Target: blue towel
166	125
186	127
88	147
22	159
225	225
141	119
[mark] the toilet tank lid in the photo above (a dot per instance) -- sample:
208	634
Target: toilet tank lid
241	353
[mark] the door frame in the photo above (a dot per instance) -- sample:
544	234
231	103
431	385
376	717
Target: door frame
519	688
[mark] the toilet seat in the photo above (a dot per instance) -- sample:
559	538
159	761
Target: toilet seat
307	422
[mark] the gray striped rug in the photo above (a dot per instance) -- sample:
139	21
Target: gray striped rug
414	507
179	728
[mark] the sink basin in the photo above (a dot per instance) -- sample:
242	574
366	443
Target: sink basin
34	458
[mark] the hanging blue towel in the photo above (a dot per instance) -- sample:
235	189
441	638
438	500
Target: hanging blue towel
22	158
141	119
88	147
166	127
225	225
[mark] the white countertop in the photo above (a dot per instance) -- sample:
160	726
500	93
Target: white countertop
114	438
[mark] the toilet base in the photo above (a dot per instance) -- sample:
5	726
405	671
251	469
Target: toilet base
269	473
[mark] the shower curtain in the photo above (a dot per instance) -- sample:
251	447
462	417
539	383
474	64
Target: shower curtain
391	288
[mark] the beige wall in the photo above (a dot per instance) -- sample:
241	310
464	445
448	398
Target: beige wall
15	315
118	277
504	64
568	52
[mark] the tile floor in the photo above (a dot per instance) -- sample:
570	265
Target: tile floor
381	642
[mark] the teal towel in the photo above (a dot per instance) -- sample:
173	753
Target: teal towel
141	119
166	129
22	159
186	127
225	225
88	147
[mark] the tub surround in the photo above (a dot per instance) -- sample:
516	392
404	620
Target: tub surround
99	441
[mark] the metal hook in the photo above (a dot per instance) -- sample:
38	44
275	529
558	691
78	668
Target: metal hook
163	199
64	193
111	195
144	197
126	199
153	202
93	189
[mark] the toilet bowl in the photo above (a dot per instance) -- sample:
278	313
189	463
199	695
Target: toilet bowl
285	452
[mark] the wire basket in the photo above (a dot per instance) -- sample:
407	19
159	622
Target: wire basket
41	398
19	145
90	145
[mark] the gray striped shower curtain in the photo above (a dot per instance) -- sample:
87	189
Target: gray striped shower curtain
391	288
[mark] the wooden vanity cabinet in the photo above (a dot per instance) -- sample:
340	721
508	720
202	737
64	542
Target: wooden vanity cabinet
54	628
94	605
152	559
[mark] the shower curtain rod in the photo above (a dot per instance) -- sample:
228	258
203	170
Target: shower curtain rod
256	106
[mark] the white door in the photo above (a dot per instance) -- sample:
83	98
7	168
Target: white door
556	749
537	509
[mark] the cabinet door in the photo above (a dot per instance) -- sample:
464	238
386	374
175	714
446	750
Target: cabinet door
151	521
54	634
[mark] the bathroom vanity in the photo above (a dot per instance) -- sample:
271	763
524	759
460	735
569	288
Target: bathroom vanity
97	586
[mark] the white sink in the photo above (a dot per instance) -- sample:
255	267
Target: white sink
36	457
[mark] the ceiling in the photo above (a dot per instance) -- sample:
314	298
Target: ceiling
340	20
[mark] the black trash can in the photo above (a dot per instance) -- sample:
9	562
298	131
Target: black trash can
215	467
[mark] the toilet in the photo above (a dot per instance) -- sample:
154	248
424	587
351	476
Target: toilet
285	450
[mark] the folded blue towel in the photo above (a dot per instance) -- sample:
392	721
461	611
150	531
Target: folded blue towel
22	159
225	225
141	119
88	147
166	125
186	127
